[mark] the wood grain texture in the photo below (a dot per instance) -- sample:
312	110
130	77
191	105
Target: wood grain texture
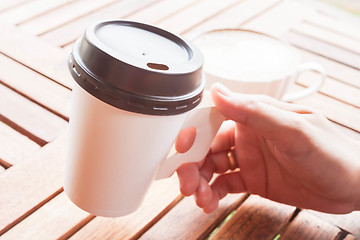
341	26
190	17
35	53
306	226
350	237
158	201
333	52
24	187
333	88
273	22
348	222
67	34
328	36
62	15
190	221
333	109
31	9
30	116
53	219
6	4
238	14
333	69
35	86
15	147
256	218
155	12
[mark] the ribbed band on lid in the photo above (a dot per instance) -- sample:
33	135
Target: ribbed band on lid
138	67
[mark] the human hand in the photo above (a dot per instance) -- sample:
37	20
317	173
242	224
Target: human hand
284	152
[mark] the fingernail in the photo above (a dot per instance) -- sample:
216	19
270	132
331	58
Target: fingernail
221	89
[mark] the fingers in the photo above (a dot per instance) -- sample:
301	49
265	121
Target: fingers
189	178
185	139
208	197
262	114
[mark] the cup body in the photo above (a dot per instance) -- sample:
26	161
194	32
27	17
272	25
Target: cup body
134	86
113	154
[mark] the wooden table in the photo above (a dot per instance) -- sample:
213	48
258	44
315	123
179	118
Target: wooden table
36	37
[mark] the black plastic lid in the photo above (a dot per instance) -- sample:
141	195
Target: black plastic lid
138	68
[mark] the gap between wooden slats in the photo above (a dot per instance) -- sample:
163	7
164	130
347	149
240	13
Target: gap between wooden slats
343	27
190	221
329	37
343	56
306	226
162	197
14	147
6	5
155	13
62	15
27	186
31	9
36	54
256	218
67	34
333	109
35	87
232	17
335	70
198	13
29	116
348	222
332	88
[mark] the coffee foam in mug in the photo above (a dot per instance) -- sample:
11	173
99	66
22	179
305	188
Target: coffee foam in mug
246	55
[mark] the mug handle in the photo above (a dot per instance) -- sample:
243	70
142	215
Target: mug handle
309	66
207	121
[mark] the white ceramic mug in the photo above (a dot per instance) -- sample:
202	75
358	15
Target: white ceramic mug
136	86
250	62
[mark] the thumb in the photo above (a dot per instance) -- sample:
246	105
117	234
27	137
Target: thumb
261	113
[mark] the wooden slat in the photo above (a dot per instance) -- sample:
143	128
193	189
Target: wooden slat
35	53
237	15
330	37
160	197
29	115
68	33
190	221
156	13
324	49
62	15
30	10
53	219
338	71
339	112
273	22
6	4
349	222
306	226
332	88
35	86
201	11
257	218
349	132
15	147
339	25
24	186
349	237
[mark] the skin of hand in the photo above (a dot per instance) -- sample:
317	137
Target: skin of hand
284	152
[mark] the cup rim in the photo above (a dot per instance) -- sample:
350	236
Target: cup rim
286	74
